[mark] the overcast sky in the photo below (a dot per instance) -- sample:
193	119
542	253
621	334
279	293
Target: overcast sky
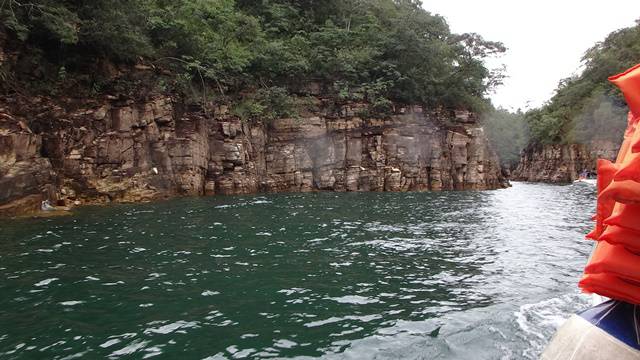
545	38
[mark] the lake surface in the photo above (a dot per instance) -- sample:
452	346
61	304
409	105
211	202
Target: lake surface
452	275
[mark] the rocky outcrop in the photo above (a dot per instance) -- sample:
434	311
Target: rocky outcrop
26	178
121	150
561	163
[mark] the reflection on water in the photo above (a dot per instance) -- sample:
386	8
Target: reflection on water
454	275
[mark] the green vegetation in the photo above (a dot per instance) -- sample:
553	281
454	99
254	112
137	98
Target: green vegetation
587	107
371	50
507	132
269	104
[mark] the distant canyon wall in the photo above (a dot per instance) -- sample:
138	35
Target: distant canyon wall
561	163
98	151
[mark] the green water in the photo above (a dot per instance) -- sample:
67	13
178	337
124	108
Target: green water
454	275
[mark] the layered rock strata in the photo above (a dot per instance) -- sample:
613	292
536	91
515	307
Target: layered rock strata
26	178
125	151
561	163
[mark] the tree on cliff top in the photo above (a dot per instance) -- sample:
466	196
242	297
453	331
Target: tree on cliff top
372	50
587	107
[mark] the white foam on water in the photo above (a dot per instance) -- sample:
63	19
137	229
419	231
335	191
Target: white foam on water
152	351
331	320
243	353
347	332
109	343
210	293
71	303
285	344
46	282
129	349
218	356
346	263
539	321
169	328
78	355
293	291
354	299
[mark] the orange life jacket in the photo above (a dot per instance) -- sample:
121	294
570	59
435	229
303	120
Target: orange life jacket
629	83
606	172
618	235
614	267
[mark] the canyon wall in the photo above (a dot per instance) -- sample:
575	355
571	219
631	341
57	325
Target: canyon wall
98	151
561	163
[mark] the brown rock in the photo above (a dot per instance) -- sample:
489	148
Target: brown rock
561	163
139	152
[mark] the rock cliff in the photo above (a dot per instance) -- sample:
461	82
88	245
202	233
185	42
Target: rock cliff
561	163
123	150
26	178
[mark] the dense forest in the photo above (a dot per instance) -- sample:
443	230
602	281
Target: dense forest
507	132
263	52
587	107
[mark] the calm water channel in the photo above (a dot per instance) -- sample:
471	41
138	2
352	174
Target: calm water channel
452	275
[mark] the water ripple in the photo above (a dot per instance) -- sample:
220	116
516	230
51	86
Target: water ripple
457	275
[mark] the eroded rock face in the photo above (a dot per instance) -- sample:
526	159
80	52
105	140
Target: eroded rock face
124	151
26	178
561	163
